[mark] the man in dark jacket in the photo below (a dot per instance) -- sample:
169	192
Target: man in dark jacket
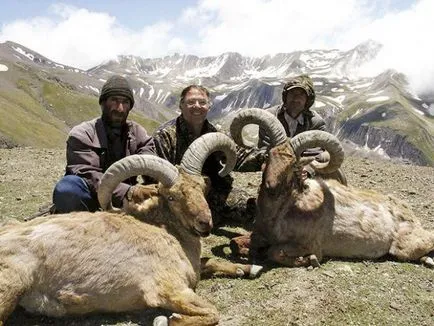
94	145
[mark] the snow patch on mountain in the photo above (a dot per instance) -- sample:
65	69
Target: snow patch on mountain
151	92
359	86
206	71
319	104
157	99
96	90
418	111
220	97
378	99
3	67
338	99
24	53
160	72
376	93
337	90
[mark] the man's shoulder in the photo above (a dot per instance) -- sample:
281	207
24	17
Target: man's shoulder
209	127
314	115
273	109
85	127
135	127
317	122
167	127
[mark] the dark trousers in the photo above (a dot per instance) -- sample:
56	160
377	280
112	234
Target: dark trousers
72	194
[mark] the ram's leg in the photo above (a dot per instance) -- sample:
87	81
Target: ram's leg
293	256
414	244
258	246
240	246
12	287
188	309
210	266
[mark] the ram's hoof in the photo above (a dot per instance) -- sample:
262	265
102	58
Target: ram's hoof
255	270
160	321
427	261
314	262
239	272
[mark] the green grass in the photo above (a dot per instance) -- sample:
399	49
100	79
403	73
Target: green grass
29	125
42	117
397	115
148	124
68	105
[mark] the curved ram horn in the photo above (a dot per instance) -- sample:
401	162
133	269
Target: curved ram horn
264	119
325	140
130	166
199	150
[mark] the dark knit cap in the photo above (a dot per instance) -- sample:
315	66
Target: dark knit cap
116	85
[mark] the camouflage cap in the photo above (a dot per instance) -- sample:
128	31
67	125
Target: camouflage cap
304	82
116	85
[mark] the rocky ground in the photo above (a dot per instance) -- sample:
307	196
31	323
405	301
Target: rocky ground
341	292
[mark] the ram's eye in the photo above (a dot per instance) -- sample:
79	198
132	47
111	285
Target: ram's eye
170	198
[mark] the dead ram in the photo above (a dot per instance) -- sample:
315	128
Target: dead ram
146	256
298	221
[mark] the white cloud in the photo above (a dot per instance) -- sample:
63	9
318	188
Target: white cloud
408	45
83	38
258	27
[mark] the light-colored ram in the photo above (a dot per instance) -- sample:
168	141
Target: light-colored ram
300	221
145	256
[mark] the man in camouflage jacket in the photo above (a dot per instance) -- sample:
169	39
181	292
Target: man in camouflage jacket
174	137
295	114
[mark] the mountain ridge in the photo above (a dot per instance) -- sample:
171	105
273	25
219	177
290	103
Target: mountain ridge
372	114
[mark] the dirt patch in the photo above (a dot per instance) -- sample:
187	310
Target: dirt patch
383	292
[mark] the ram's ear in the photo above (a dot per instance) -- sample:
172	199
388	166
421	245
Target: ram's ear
139	193
305	160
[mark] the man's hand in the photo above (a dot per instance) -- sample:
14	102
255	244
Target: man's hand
139	193
304	174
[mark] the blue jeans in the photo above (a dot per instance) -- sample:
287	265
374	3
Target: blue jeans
72	194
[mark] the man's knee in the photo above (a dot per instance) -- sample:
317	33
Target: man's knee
71	193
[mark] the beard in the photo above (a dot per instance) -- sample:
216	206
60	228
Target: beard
113	118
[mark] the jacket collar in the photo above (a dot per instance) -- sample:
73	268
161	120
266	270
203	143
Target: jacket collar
101	132
183	128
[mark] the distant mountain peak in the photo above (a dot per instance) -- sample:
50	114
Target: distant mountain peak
376	112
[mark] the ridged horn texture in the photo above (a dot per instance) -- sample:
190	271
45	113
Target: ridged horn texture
264	119
199	150
325	140
134	165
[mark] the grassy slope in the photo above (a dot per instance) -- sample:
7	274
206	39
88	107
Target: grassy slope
400	117
39	113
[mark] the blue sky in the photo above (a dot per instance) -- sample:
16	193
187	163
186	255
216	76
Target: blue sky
131	13
84	34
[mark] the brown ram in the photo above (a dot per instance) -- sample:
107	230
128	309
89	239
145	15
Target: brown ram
145	256
300	221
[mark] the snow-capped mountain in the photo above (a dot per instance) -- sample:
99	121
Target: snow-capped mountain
379	114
